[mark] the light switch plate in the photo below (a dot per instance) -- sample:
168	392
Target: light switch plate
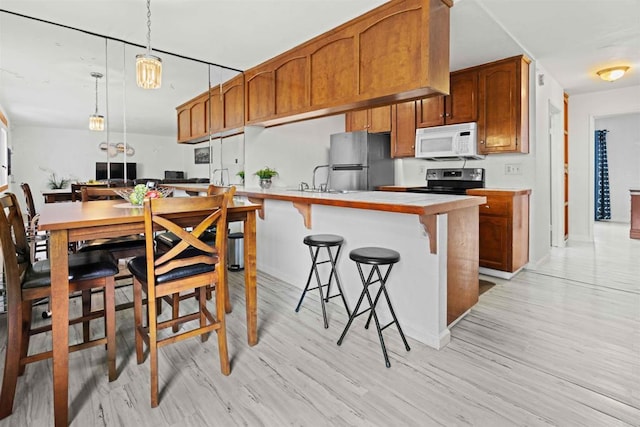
513	169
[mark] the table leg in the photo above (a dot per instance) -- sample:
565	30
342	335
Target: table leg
250	279
59	245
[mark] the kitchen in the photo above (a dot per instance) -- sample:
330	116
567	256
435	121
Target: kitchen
307	141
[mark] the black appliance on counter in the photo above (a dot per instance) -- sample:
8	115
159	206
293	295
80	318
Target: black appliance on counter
451	181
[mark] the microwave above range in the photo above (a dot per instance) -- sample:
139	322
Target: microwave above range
451	142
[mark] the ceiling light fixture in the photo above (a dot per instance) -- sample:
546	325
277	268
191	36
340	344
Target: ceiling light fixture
96	121
148	67
612	74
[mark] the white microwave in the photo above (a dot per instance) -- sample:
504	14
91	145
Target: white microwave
451	142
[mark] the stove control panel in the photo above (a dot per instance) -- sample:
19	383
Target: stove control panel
456	174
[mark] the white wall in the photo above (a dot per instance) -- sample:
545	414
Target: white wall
227	159
583	110
293	150
38	151
623	154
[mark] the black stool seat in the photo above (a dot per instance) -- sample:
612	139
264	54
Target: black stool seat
315	242
374	256
82	266
323	240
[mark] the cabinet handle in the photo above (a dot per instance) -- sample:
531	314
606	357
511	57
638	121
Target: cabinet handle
441	115
482	142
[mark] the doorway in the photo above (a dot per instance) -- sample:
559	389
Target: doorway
556	171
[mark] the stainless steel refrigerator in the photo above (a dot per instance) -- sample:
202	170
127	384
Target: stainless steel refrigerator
360	161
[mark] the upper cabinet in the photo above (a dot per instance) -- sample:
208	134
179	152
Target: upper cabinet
403	129
373	120
365	62
218	112
193	119
495	95
460	106
503	106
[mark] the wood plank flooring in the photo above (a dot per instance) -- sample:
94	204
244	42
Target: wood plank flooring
559	346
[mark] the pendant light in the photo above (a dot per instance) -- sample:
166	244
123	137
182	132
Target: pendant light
148	67
96	121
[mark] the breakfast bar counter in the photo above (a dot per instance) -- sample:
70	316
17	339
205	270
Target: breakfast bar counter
434	284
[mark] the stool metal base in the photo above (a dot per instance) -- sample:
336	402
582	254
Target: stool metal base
375	268
333	273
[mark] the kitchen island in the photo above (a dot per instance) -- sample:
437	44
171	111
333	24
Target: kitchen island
434	284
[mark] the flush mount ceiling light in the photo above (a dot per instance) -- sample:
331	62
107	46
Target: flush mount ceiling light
148	67
96	121
613	73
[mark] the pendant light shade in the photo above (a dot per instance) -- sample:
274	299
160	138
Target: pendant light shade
148	67
148	71
96	121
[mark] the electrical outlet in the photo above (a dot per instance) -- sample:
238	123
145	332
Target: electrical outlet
513	169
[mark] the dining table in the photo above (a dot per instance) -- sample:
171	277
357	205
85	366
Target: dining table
79	221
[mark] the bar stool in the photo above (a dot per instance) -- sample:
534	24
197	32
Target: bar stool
316	242
375	257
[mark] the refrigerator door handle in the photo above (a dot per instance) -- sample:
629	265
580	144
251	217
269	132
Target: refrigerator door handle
348	167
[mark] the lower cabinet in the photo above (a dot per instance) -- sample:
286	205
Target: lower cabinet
504	229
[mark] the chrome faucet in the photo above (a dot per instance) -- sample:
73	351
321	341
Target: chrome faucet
221	175
303	186
313	181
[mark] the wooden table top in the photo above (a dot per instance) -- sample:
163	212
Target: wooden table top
65	216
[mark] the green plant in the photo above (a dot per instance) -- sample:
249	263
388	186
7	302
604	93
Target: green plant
266	173
241	175
56	183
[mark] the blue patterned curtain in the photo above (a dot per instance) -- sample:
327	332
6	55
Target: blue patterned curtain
602	201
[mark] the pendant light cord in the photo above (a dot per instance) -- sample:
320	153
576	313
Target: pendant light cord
148	27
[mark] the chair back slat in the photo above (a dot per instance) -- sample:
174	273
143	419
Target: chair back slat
15	248
168	214
28	196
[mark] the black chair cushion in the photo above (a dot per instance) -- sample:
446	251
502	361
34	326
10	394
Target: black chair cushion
117	243
323	240
169	239
374	256
138	267
82	266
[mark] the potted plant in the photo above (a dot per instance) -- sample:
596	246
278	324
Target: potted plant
241	175
265	176
55	183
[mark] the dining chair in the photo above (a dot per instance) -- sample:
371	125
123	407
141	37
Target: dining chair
167	240
28	281
38	240
190	265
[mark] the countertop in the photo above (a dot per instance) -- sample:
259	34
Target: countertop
402	202
411	203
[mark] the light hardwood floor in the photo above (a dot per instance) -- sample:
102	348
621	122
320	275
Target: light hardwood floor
557	346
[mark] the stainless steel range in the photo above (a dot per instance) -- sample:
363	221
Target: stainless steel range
451	181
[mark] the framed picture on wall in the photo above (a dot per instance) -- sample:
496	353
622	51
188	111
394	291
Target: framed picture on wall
202	155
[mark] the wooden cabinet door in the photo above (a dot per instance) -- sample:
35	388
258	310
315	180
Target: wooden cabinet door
380	119
495	244
503	114
184	124
403	133
430	111
357	120
461	106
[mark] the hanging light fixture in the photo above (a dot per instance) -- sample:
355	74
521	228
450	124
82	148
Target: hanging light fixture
96	121
612	74
148	67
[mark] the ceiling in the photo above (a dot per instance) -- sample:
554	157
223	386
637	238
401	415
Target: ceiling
45	70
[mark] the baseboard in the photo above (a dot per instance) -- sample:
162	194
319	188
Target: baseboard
498	273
